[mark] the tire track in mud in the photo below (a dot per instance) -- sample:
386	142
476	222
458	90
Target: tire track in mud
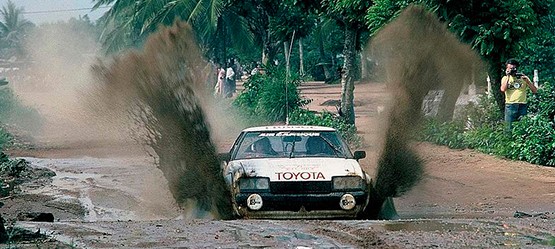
358	237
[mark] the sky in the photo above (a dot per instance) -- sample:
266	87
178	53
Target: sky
44	11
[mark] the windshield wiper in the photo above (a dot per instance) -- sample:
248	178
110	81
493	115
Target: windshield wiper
292	150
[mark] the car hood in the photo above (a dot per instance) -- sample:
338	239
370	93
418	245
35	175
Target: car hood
297	169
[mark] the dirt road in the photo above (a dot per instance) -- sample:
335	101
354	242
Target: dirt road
466	199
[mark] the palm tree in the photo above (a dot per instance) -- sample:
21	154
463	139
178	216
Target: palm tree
12	28
129	22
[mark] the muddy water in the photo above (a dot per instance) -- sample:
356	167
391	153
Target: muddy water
113	189
162	90
416	54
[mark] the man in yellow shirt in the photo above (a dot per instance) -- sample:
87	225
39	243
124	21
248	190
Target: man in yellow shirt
514	85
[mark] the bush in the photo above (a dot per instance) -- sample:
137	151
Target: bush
347	131
481	127
5	138
265	96
533	140
11	110
449	133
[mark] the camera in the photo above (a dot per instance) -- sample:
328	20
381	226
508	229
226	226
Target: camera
515	73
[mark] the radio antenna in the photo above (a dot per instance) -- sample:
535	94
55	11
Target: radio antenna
287	76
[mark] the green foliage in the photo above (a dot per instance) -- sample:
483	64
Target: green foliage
347	131
11	110
263	101
384	11
542	102
322	48
449	134
13	28
480	114
347	12
538	50
265	95
5	139
480	127
533	140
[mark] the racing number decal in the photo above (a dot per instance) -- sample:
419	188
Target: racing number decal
300	176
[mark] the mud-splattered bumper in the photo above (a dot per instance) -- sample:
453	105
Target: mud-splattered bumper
287	206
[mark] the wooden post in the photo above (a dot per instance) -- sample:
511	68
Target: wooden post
489	86
536	78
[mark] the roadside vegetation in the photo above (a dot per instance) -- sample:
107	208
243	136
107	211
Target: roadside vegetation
265	100
323	40
480	126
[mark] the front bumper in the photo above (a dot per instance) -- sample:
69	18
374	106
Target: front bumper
302	206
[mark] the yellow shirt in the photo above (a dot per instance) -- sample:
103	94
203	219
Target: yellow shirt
516	90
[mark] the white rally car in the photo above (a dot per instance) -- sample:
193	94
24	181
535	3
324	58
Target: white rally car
295	172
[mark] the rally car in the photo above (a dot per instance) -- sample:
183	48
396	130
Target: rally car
295	171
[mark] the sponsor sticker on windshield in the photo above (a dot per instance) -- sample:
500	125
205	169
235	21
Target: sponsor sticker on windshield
289	134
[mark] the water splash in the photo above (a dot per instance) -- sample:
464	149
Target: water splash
162	89
417	54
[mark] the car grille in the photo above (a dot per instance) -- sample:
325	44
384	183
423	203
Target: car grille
320	187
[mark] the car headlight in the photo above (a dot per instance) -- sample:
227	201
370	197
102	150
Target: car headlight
348	183
254	183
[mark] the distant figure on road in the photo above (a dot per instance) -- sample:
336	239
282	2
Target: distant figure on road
230	80
219	89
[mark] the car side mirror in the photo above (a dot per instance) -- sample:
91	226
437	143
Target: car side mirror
224	157
359	154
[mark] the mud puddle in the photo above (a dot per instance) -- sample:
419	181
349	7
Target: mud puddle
109	189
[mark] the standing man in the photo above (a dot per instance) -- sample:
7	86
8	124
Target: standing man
230	80
514	85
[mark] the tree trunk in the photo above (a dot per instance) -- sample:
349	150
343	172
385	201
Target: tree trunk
301	60
322	52
363	67
269	50
220	52
287	58
347	77
495	78
3	233
495	69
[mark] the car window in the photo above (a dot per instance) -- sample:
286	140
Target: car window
297	144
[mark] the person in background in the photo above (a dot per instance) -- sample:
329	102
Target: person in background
230	80
257	69
514	84
220	87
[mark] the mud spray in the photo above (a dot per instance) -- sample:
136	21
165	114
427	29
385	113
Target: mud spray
163	89
417	54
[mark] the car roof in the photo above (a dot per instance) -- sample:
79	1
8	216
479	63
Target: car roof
289	128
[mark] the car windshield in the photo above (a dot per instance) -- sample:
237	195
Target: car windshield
296	144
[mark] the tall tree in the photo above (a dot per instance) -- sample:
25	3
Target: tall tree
538	51
496	29
215	22
258	14
13	28
349	14
291	24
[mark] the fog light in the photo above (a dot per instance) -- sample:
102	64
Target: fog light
347	202
254	202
